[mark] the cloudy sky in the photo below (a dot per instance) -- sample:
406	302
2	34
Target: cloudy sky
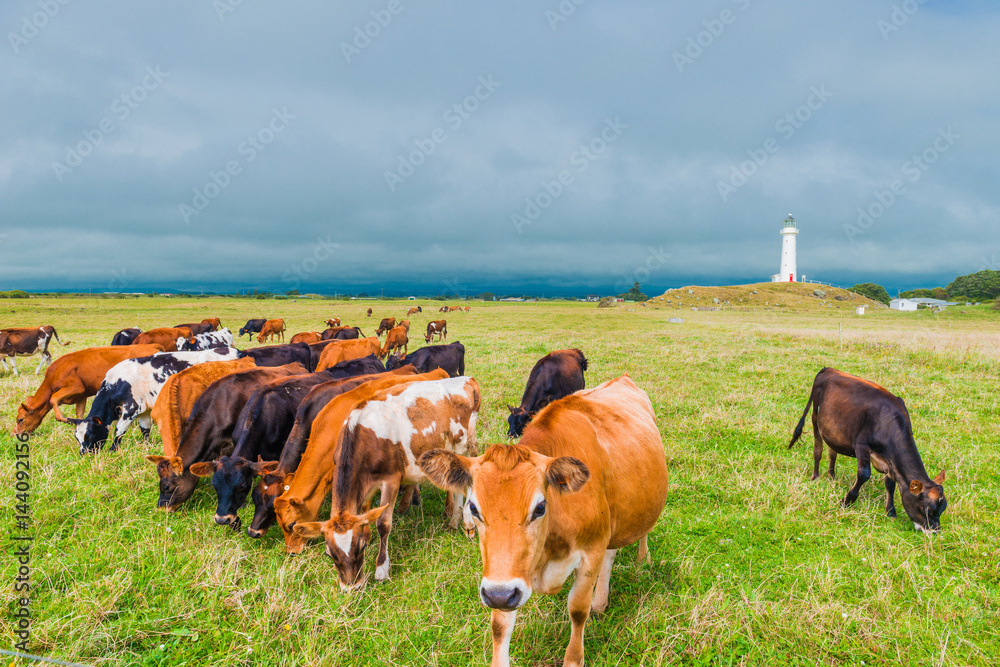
554	146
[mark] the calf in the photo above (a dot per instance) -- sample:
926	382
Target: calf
334	322
369	312
272	329
27	343
394	340
129	391
381	439
555	375
71	379
206	341
165	336
385	325
126	336
860	419
345	350
306	337
414	311
439	327
450	358
588	478
251	327
279	355
210	431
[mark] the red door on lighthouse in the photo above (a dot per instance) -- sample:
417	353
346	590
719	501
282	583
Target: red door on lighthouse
791	277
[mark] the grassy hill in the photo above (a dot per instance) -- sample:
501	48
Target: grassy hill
797	296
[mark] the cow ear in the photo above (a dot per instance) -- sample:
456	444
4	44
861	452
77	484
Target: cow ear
288	479
203	468
512	409
309	529
97	421
155	460
446	470
939	480
567	473
296	502
916	487
71	420
176	464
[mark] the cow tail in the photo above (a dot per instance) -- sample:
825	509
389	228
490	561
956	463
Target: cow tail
583	361
361	333
56	336
802	422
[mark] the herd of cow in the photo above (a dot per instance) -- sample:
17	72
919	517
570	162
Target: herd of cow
288	425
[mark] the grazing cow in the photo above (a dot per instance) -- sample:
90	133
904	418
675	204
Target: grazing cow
313	478
265	422
555	375
439	327
71	379
341	333
271	484
345	350
369	312
414	311
205	326
381	439
386	324
177	397
860	419
210	430
468	308
450	358
454	308
251	327
272	329
306	337
443	309
206	341
165	336
126	336
279	355
129	391
27	343
333	322
394	340
588	478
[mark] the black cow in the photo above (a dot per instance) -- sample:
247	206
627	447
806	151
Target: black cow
450	358
279	355
251	327
860	419
263	428
554	376
126	336
342	333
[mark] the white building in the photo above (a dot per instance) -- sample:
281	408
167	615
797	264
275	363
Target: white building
909	305
789	269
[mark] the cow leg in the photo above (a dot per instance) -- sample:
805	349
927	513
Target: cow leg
833	464
13	363
890	497
502	625
389	492
62	396
580	597
145	425
643	554
817	452
600	601
81	409
864	473
409	497
43	362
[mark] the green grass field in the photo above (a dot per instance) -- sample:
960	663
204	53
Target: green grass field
753	564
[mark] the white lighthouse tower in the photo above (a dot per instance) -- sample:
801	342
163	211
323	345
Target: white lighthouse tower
788	272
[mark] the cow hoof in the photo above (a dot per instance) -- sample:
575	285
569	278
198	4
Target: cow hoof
382	572
891	513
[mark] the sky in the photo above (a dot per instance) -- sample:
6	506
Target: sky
452	147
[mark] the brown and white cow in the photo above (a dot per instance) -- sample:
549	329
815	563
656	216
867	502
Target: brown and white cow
379	446
439	327
345	350
307	337
272	329
165	336
588	478
394	340
333	322
385	325
27	343
443	309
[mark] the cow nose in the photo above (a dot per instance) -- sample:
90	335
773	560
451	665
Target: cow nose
223	520
502	597
253	532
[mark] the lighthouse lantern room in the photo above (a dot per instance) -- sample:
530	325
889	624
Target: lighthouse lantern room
788	272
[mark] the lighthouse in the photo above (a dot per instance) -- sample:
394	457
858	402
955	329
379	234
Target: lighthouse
788	272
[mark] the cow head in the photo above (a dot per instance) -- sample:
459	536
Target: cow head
346	537
288	510
518	419
924	503
264	494
176	483
395	361
509	489
28	419
91	433
232	477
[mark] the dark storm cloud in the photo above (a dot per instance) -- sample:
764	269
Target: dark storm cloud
553	144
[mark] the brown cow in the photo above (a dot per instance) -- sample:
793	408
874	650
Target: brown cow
334	321
414	311
369	312
588	478
386	324
206	325
394	340
380	439
177	397
312	480
405	324
71	379
272	329
307	337
454	308
468	308
439	327
443	309
27	343
165	336
345	350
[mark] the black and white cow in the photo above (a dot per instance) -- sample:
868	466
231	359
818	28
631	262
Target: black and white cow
251	327
206	341
27	343
126	336
129	391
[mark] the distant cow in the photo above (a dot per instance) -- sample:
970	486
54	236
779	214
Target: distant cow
165	336
395	339
439	327
341	333
345	350
369	312
414	311
279	355
450	358
386	324
860	419
272	329
333	322
555	375
468	308
454	308
251	327
27	343
306	337
206	325
443	309
206	341
126	336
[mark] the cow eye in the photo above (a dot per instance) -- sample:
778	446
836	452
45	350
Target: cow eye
474	511
539	511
